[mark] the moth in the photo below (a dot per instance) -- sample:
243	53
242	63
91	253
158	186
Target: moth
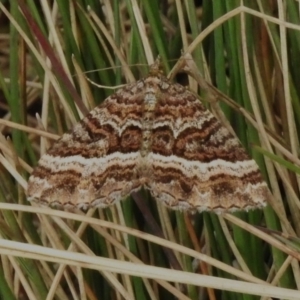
153	134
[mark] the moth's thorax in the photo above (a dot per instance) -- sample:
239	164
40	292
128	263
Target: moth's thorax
154	87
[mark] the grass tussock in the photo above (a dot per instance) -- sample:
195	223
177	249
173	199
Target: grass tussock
249	56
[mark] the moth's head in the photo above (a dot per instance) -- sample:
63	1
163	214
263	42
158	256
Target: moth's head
156	68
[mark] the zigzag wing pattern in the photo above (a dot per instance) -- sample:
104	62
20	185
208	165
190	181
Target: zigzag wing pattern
155	134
